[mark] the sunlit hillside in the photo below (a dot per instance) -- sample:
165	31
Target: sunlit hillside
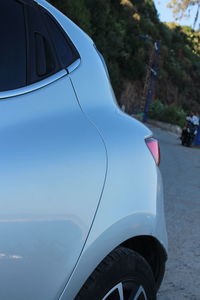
116	27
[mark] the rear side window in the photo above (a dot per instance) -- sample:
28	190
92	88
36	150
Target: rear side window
65	50
50	50
45	63
13	54
42	57
33	46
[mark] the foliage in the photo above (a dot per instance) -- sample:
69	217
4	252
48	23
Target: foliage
76	10
168	114
116	27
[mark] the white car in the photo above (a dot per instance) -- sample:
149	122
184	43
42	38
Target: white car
81	201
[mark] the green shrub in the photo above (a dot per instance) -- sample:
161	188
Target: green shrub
156	109
169	114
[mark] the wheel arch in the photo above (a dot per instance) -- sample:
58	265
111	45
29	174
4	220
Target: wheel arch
152	251
103	240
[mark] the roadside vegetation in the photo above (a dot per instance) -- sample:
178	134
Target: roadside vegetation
168	114
116	28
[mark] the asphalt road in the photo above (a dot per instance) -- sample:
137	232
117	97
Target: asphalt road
180	167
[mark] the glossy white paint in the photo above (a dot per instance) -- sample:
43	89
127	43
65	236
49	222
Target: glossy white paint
48	200
76	178
132	201
131	205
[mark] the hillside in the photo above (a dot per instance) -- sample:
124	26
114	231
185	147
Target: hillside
116	27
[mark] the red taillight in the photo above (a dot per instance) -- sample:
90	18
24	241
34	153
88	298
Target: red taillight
154	149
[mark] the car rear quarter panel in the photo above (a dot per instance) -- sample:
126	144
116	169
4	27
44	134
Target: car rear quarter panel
132	200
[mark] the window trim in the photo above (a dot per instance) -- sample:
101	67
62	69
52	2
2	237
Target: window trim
73	66
33	87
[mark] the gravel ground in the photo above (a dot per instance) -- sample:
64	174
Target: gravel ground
180	167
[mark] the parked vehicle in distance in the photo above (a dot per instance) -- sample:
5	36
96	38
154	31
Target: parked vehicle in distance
80	189
188	134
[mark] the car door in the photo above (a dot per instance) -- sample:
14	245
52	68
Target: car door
52	159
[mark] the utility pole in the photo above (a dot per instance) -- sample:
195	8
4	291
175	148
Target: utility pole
151	76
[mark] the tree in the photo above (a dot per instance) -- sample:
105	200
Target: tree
181	8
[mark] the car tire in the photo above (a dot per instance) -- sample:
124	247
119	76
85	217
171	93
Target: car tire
122	271
189	143
183	141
